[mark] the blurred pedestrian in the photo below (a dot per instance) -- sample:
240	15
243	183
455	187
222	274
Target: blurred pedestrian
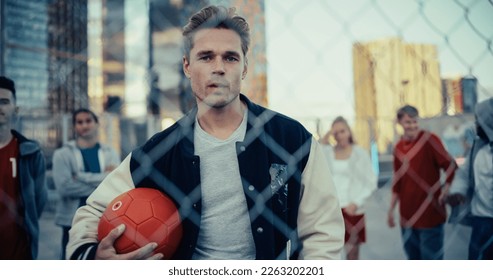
468	137
355	182
419	157
79	167
23	192
471	194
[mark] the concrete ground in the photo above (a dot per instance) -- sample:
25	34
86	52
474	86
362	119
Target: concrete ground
383	243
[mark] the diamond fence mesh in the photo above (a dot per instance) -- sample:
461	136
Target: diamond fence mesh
428	54
313	61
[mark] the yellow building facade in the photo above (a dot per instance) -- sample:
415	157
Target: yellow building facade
388	74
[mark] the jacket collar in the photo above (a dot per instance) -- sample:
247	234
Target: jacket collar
26	146
187	123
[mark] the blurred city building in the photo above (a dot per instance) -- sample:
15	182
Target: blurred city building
460	95
469	86
24	51
106	64
389	73
67	41
113	54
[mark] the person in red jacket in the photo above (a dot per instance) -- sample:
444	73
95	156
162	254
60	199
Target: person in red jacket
419	157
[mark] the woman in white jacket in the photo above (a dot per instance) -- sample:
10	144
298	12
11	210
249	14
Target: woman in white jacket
355	181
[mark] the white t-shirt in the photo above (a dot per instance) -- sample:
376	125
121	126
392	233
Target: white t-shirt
225	231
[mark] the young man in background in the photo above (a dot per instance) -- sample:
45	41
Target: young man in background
419	157
79	167
23	192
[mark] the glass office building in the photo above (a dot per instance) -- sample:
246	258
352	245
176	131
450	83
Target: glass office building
43	47
24	51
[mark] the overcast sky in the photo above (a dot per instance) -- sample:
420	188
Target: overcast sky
309	45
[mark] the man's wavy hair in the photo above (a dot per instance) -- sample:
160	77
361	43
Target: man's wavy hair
409	110
216	17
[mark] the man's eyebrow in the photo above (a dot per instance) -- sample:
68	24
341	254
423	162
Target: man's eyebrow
233	53
84	119
226	53
201	53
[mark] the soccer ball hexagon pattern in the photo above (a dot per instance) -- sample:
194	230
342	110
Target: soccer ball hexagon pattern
149	216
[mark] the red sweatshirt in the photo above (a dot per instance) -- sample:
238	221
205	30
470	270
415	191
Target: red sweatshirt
416	182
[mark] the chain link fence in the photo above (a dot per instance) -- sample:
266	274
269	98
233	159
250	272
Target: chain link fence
317	60
422	53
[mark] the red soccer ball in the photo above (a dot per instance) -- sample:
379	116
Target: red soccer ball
149	216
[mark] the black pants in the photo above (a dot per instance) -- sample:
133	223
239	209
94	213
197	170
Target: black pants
481	244
64	241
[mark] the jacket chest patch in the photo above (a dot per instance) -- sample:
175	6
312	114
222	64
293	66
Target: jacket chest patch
278	184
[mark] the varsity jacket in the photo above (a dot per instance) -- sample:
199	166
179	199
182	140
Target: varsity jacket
72	182
292	202
32	171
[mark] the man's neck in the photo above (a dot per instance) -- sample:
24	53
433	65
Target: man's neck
410	138
5	135
86	143
221	123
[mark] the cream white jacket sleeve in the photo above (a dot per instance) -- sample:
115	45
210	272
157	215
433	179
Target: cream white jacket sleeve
320	222
85	223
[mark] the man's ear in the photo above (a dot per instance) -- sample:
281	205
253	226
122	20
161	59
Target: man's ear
245	70
186	64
